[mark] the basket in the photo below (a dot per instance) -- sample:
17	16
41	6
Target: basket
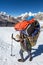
33	40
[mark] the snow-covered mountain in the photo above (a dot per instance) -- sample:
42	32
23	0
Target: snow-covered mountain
4	16
8	20
38	16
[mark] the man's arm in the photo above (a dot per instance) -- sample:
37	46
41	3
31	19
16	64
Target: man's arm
14	38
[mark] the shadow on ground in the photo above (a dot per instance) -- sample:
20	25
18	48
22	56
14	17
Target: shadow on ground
37	52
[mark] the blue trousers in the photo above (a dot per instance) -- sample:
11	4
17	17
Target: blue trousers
21	53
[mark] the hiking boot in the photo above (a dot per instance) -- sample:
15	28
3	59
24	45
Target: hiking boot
21	60
30	59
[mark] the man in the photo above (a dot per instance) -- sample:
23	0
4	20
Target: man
25	46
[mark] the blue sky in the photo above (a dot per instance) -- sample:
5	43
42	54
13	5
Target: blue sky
17	7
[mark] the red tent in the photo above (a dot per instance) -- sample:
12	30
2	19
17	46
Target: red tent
23	25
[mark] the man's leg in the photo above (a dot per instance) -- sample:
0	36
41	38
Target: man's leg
21	54
30	55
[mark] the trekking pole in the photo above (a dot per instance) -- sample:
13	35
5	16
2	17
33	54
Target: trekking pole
12	46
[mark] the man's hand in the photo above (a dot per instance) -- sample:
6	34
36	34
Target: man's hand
12	37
